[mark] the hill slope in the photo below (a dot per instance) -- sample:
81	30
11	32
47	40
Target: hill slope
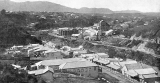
47	6
95	10
34	6
16	36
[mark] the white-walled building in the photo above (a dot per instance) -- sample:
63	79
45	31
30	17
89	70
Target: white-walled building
53	54
57	62
143	72
83	68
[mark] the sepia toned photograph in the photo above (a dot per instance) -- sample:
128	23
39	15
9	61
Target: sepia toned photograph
79	41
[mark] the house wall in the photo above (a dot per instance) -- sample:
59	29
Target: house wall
123	70
65	32
54	67
152	80
86	71
54	55
104	26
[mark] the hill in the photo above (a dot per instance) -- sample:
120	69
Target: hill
95	10
34	6
48	6
127	11
16	36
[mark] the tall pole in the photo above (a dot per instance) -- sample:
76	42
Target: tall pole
82	28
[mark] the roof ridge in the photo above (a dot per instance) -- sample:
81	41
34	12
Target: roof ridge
76	61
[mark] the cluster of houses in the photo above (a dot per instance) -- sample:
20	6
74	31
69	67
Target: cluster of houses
88	65
90	33
50	60
129	68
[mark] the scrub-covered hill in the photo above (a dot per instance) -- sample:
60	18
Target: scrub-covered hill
16	36
13	32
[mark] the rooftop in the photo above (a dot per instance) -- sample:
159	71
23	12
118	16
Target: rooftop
114	66
103	55
149	76
51	51
89	55
145	71
127	62
77	64
136	66
59	61
41	71
103	61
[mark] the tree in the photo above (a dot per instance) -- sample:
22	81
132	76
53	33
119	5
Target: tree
3	11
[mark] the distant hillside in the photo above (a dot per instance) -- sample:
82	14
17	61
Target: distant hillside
95	10
127	11
152	14
53	7
34	6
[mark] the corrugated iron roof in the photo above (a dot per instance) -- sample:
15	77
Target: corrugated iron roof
60	61
103	61
157	70
146	71
149	76
114	66
127	62
136	66
103	55
132	73
41	71
77	64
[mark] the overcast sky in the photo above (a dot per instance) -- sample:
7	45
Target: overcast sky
115	5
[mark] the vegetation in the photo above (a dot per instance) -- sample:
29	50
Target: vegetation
16	28
9	74
12	31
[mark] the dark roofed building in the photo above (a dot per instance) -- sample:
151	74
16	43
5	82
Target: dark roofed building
104	26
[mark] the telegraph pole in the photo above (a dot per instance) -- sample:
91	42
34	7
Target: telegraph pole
82	28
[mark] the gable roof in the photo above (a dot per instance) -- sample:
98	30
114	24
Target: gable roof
42	49
127	62
112	59
41	71
157	70
77	64
132	73
103	55
136	66
145	71
89	55
103	61
148	76
51	51
81	51
114	66
59	61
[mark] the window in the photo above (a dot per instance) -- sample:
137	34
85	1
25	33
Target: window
82	70
78	70
34	68
95	68
86	69
41	67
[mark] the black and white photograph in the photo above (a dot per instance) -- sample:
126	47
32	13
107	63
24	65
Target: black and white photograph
79	41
